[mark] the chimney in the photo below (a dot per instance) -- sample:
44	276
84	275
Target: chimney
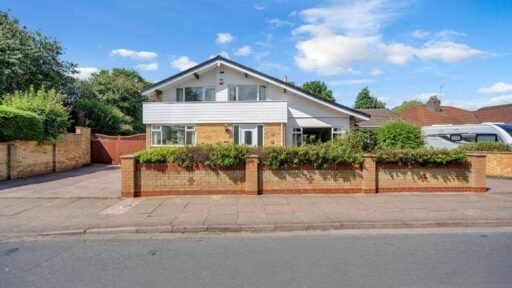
434	104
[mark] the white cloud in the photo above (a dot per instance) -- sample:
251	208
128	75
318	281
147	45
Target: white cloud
277	23
351	82
224	38
448	51
448	34
259	7
423	96
293	13
475	104
147	67
244	51
221	53
137	55
85	72
376	72
499	87
182	63
333	38
420	34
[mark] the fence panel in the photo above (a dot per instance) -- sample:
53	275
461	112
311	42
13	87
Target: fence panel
108	149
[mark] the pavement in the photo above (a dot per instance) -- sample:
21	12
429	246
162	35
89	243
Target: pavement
85	201
455	257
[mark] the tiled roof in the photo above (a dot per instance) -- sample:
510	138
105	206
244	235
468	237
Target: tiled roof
500	113
379	117
423	116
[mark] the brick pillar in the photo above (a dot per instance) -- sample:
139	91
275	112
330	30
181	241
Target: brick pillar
369	174
85	142
128	176
251	174
478	172
12	160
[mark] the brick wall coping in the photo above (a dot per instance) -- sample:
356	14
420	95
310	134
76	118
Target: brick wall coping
497	152
466	165
346	166
177	168
129	156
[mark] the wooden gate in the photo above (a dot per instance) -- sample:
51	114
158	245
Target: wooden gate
109	149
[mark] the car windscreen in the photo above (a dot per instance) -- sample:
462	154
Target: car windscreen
506	127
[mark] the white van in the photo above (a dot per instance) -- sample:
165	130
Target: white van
452	136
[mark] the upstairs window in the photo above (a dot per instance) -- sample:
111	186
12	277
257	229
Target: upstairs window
195	94
247	93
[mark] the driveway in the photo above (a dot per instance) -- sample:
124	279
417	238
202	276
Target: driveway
95	181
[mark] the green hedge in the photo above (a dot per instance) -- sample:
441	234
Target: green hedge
399	134
423	156
19	125
101	117
486	146
48	105
213	155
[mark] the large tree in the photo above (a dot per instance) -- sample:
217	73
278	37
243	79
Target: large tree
319	88
30	59
120	88
365	100
406	105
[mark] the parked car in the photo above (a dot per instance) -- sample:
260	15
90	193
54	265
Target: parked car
452	136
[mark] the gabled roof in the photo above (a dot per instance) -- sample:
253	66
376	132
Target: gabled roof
248	70
379	117
499	113
423	116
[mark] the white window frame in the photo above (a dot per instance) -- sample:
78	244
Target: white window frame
257	92
203	93
335	131
298	131
159	128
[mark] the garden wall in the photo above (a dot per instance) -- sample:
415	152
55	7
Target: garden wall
499	164
253	178
20	159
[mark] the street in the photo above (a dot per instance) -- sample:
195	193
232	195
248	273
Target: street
476	257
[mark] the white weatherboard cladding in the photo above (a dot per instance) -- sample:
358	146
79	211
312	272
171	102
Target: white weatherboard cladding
214	112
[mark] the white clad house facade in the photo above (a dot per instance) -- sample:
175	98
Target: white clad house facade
221	101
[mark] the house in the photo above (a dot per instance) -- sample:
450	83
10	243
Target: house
434	114
379	116
222	101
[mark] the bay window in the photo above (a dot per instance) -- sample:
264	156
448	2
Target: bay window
247	93
172	135
195	94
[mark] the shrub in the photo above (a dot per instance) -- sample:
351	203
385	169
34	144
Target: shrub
424	156
359	140
213	155
319	155
486	146
399	134
47	105
19	125
100	117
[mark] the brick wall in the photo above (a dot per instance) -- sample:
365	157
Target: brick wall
213	133
148	136
28	158
499	164
252	178
272	134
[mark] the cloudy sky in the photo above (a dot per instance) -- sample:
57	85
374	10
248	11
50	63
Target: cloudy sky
460	50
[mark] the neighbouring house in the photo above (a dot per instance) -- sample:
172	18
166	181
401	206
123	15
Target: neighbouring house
379	116
222	101
433	113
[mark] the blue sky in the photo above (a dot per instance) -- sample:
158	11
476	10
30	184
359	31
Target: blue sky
402	51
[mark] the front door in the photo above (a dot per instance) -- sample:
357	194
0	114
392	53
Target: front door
249	135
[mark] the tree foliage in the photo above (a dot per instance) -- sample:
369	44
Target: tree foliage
30	59
319	88
365	100
101	118
48	105
399	134
406	105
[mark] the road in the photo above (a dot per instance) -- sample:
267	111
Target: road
387	258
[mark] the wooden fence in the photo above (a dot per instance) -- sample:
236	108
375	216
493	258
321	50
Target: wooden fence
109	149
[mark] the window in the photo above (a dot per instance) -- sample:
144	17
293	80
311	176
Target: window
247	93
297	136
194	94
486	138
337	132
172	135
455	137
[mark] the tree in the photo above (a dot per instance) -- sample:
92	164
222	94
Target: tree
120	88
365	100
406	105
399	134
319	88
100	117
30	59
